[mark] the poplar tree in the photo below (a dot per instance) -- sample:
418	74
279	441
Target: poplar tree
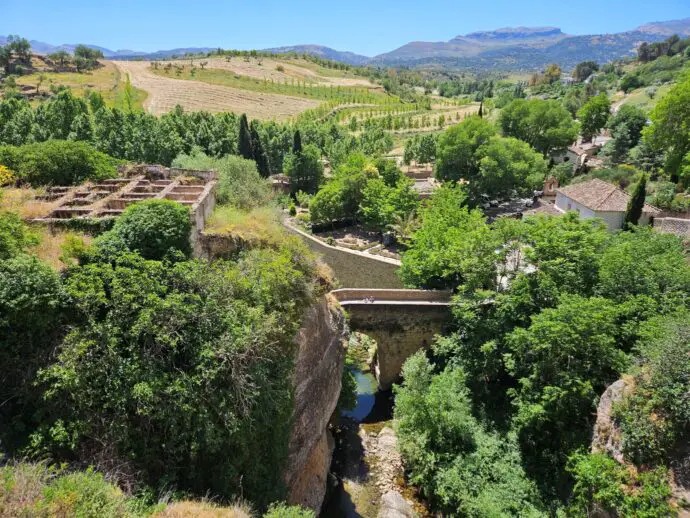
244	141
262	163
297	143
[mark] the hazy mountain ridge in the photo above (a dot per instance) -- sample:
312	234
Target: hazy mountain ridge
529	48
507	48
323	52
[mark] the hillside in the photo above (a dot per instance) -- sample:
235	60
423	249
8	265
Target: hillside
525	48
323	52
508	48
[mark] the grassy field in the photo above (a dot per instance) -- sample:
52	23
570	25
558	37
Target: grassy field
107	80
640	98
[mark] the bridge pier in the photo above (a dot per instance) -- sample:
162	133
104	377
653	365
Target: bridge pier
400	321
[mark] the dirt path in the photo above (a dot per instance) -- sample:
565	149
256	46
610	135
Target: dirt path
166	92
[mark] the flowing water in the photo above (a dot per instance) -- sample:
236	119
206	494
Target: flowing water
355	494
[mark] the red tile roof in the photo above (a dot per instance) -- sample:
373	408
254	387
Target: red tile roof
601	196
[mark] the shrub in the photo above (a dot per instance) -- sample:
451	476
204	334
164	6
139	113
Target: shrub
153	228
239	182
58	162
7	177
15	236
282	510
31	303
292	210
601	484
656	415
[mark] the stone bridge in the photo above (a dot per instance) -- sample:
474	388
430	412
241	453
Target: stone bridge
401	321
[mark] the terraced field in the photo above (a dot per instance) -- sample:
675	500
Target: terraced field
282	71
164	93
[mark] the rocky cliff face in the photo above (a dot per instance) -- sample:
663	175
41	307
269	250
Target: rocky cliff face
607	435
607	439
318	375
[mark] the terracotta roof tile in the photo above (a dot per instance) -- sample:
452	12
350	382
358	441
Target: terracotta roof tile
601	196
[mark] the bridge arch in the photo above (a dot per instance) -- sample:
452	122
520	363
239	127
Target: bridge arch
400	321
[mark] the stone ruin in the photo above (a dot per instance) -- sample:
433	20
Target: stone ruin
109	198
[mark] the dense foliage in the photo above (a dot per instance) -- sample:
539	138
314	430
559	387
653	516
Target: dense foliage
57	162
461	467
152	228
548	313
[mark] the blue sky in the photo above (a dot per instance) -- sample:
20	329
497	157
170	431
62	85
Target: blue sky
366	27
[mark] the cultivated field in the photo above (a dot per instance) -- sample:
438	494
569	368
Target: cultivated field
281	71
164	93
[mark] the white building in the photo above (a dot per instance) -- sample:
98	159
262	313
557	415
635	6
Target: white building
599	199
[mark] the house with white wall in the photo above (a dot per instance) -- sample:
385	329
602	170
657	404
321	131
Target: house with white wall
599	199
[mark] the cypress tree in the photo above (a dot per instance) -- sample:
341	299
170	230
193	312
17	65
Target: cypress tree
244	141
297	143
481	109
260	156
636	203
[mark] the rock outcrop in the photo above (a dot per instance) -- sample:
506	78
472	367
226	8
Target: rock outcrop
607	435
607	439
317	379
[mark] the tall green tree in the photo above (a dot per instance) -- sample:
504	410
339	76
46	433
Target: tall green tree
633	212
304	169
244	139
670	131
297	142
260	157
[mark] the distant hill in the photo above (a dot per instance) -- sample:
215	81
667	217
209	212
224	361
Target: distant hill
509	48
528	48
323	52
680	27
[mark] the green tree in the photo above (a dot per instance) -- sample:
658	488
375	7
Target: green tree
244	141
32	310
604	485
260	156
463	469
61	57
15	236
297	143
594	115
669	130
635	207
507	165
457	146
58	162
545	125
304	169
585	69
654	414
562	363
341	196
381	203
181	372
453	246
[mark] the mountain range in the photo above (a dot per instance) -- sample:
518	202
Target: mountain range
510	48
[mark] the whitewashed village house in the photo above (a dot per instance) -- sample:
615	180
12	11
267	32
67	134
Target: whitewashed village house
599	199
